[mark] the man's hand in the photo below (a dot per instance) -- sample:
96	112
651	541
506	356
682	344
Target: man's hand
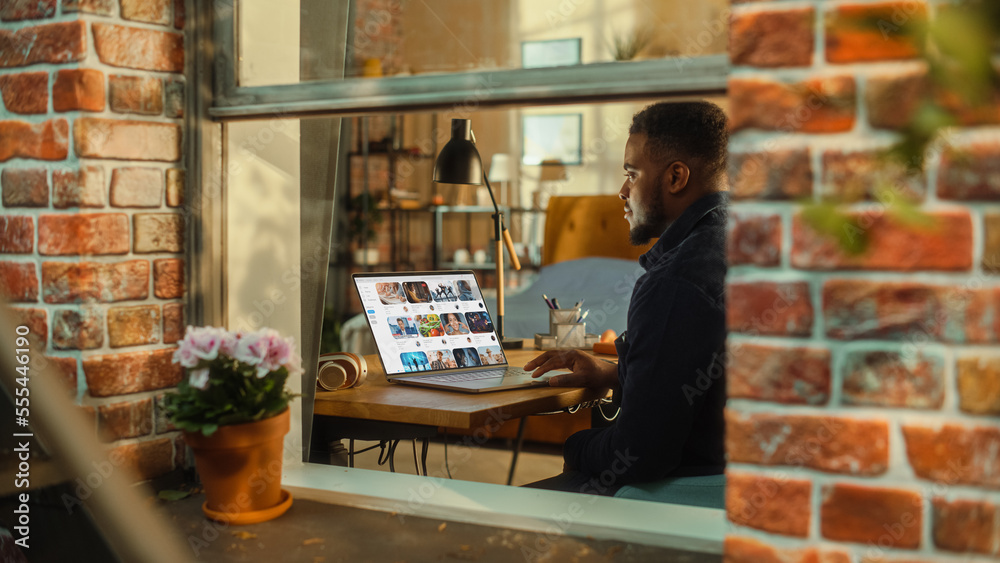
587	371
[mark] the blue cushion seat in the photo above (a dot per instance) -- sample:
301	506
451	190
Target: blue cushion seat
707	491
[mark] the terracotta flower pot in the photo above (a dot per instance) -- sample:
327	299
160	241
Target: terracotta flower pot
240	468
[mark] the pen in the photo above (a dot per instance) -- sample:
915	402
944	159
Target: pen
583	316
547	302
555	303
579	303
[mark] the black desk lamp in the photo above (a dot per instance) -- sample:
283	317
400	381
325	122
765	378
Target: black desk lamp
459	163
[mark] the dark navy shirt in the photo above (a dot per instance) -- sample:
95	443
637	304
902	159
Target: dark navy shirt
670	361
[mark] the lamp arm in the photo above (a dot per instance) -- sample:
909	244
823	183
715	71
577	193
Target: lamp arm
508	242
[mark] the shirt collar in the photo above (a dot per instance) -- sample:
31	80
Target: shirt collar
679	229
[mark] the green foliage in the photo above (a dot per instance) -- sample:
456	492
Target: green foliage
626	46
234	395
365	217
957	46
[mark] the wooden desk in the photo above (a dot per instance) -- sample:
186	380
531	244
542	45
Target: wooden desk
392	402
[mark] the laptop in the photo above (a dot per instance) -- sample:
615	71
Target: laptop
432	329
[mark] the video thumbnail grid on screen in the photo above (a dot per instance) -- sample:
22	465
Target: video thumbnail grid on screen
434	324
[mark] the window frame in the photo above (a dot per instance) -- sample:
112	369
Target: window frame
216	98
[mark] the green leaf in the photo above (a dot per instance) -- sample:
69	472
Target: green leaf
171	495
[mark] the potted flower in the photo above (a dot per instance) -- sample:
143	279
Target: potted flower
365	219
233	411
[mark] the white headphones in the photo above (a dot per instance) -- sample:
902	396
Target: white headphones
340	370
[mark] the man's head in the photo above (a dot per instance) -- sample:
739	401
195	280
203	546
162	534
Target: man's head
675	154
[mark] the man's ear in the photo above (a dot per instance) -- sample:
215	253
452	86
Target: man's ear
675	177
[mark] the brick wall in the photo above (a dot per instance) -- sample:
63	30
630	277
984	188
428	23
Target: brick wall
864	389
92	182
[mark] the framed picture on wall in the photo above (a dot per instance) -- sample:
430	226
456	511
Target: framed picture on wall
555	52
552	138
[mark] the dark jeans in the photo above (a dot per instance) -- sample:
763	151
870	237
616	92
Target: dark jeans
575	482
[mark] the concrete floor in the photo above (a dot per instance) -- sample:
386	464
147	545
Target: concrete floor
488	463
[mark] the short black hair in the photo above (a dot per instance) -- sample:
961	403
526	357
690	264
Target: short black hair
693	131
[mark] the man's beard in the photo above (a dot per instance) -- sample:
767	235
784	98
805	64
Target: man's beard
655	223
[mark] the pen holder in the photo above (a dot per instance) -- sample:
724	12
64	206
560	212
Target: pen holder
564	331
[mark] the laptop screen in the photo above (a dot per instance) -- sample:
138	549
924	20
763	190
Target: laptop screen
429	321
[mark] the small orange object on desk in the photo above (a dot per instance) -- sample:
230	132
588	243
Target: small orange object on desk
607	343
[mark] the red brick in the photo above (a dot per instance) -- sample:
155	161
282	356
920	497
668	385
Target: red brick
48	140
26	92
65	369
818	105
159	232
771	308
173	322
128	419
145	460
36	320
136	94
775	174
17	10
136	187
25	187
17	234
126	140
772	38
143	49
834	445
77	329
748	550
78	89
943	243
891	379
966	526
858	175
54	43
909	311
874	32
893	97
780	506
955	454
168	278
133	326
871	515
970	172
19	282
991	242
154	11
96	233
175	187
88	282
131	372
78	188
179	12
754	239
783	375
979	384
99	7
173	97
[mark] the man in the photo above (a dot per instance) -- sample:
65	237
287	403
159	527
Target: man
670	372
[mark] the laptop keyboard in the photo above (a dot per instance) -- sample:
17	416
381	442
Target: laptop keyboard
475	375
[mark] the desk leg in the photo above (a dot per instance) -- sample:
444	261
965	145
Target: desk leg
423	454
350	453
517	449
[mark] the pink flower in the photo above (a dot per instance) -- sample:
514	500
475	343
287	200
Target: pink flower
228	345
252	349
206	341
199	378
184	355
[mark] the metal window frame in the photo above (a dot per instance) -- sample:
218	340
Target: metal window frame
216	98
681	76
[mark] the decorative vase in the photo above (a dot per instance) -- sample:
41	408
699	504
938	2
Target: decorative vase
240	469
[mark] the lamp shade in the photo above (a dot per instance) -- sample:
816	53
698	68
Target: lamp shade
500	168
459	161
